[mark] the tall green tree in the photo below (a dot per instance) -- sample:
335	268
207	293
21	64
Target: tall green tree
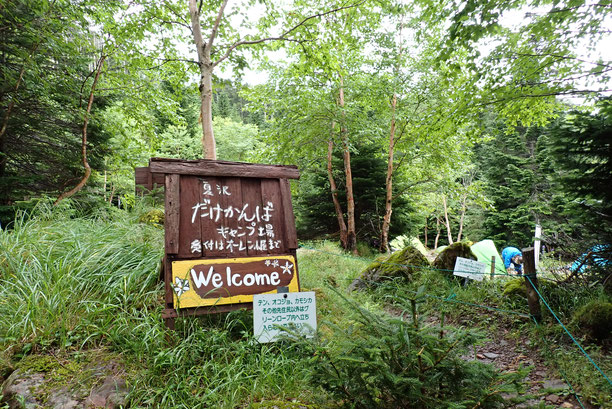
579	146
223	40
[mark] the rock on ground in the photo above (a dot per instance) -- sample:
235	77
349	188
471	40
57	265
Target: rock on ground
401	264
29	388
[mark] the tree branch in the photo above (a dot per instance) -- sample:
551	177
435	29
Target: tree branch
561	57
284	34
80	185
215	28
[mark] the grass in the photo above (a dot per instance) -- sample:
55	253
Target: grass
71	285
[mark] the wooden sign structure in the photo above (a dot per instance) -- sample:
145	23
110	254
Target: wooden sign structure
229	233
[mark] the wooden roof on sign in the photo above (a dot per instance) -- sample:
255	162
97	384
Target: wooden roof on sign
208	167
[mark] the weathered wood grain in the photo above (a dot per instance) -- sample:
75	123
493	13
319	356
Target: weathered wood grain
205	167
191	195
291	233
172	220
270	189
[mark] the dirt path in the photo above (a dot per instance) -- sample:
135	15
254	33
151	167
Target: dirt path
544	388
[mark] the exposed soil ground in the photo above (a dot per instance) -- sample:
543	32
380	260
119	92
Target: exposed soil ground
507	351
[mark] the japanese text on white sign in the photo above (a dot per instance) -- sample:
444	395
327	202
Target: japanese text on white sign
296	312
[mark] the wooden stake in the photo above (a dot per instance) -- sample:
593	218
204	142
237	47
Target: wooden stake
492	267
531	283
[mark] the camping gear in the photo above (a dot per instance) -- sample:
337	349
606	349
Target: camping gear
486	249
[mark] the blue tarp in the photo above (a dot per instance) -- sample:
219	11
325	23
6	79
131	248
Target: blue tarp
598	255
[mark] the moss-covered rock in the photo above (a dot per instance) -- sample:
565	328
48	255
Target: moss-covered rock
445	261
154	217
595	320
91	380
401	264
515	288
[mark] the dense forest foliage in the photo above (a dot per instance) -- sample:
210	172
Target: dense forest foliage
452	118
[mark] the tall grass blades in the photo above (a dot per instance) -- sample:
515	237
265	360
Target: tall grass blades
60	277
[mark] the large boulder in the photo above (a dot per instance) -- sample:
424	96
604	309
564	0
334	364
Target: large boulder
401	264
445	261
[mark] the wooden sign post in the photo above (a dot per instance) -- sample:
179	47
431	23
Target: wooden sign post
229	233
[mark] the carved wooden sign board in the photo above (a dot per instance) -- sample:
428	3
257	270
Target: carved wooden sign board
229	233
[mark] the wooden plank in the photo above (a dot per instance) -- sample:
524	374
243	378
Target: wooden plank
168	291
294	254
190	245
147	180
141	179
250	217
172	313
231	199
274	229
290	231
205	167
172	207
210	216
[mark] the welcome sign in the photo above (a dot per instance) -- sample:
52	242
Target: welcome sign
228	281
229	233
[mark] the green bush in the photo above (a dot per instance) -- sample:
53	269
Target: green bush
154	217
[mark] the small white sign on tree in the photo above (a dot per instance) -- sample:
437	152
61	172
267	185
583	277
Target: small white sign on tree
472	269
284	313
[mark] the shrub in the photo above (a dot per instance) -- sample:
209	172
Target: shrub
154	217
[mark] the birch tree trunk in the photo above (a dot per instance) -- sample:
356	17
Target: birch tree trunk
384	234
447	221
462	218
334	192
437	233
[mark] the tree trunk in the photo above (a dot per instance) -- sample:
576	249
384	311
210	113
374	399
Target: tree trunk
384	234
351	236
206	69
437	233
463	209
334	192
447	222
83	181
209	146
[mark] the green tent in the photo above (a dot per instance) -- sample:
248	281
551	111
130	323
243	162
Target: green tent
486	249
401	242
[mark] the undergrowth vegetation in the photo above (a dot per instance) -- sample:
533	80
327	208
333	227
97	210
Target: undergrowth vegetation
70	285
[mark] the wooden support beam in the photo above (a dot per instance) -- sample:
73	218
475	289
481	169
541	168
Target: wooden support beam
531	283
205	167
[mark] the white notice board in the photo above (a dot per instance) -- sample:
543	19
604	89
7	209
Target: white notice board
296	312
475	270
